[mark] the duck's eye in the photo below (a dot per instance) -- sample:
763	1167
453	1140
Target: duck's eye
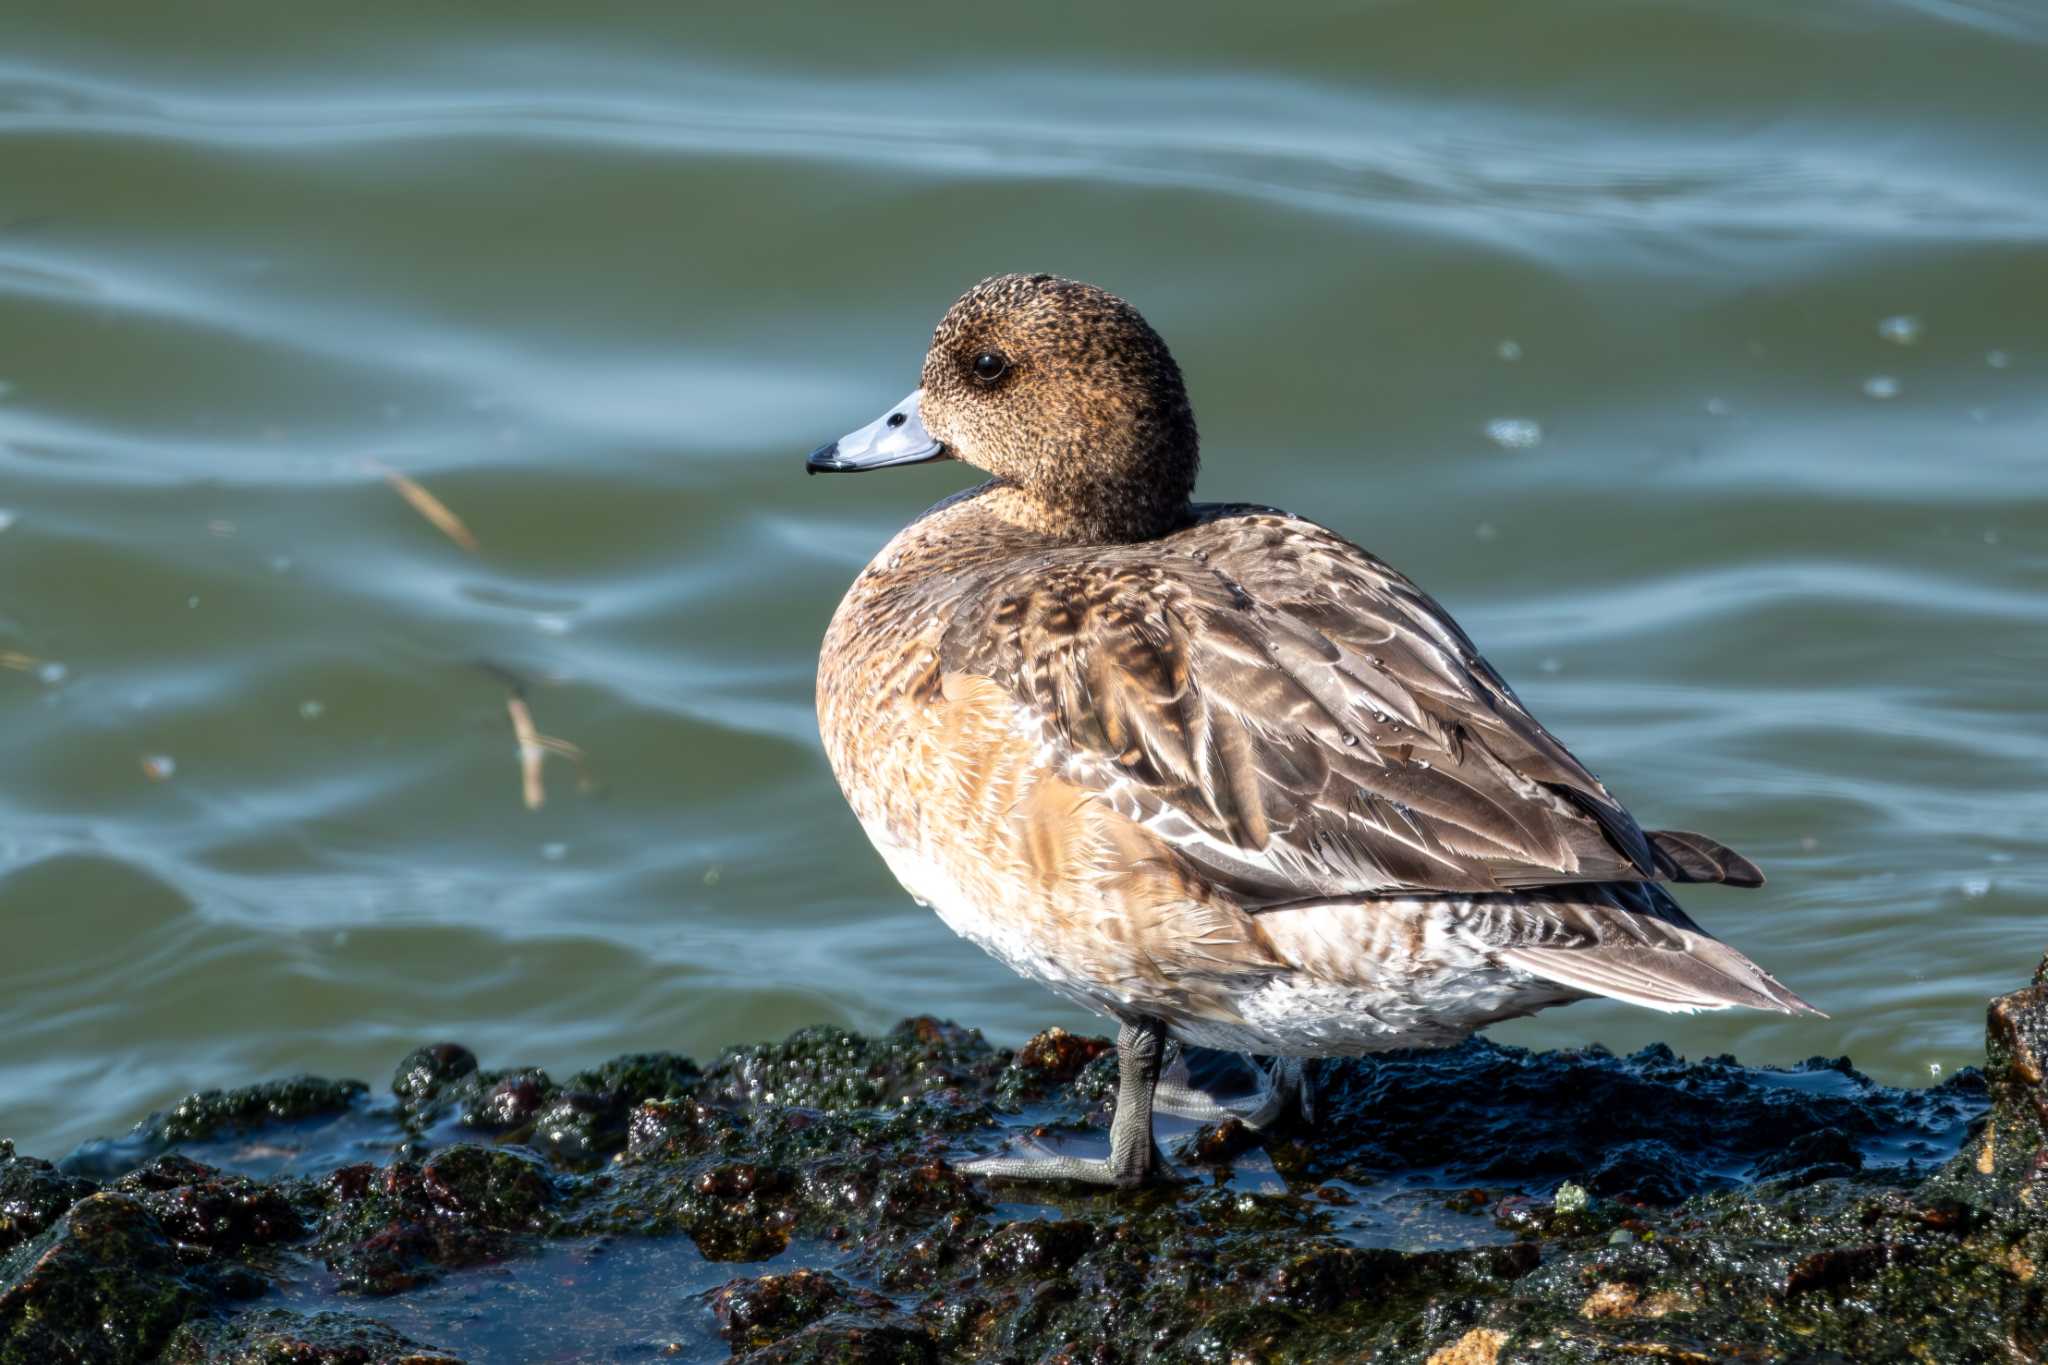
990	366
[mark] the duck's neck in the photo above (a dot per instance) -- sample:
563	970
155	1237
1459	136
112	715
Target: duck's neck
1090	521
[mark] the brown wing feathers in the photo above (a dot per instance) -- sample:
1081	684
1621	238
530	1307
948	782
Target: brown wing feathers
1300	720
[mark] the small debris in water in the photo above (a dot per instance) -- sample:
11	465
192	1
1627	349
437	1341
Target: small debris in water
192	602
220	528
19	662
1901	330
1718	407
1509	350
713	876
1486	531
1570	1198
52	673
1976	888
1997	360
1881	386
554	853
159	767
312	710
534	747
1514	433
426	504
531	755
1550	663
551	625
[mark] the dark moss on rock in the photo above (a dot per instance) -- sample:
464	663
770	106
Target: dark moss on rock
33	1195
426	1070
1473	1207
833	1068
213	1113
101	1284
277	1336
395	1227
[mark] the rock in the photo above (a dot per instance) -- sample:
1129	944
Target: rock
759	1312
33	1195
425	1070
398	1227
277	1336
211	1113
196	1205
102	1285
848	1340
1540	1206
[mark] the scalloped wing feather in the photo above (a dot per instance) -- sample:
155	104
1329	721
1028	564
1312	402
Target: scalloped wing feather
1296	718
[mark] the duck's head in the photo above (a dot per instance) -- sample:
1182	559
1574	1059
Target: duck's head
1063	393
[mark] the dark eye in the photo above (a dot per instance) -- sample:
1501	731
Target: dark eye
990	366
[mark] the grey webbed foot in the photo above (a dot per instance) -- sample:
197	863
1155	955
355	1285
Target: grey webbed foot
1082	1170
1278	1088
1133	1158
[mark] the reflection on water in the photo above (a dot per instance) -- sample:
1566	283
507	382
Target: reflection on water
1696	367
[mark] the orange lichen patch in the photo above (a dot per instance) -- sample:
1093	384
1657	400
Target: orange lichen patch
1987	1155
1480	1346
426	504
1610	1300
1060	1054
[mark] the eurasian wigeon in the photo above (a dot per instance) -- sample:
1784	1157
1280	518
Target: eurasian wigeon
1212	770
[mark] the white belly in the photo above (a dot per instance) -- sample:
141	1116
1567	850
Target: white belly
1353	992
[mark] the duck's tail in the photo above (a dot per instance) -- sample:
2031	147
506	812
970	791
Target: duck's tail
1683	856
1647	951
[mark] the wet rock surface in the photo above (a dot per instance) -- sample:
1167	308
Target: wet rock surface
798	1201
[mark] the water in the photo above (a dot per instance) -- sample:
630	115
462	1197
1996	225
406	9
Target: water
598	284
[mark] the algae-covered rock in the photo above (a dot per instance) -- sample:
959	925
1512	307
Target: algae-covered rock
101	1284
833	1068
397	1227
277	1336
802	1201
426	1070
33	1195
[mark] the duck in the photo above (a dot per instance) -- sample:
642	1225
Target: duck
1211	770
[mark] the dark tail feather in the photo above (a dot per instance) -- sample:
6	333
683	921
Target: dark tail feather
1683	856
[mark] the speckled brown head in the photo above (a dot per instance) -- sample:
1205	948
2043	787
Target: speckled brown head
1064	393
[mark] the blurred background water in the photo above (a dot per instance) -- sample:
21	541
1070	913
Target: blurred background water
1692	353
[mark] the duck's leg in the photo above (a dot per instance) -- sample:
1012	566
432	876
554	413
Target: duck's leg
1132	1158
1283	1087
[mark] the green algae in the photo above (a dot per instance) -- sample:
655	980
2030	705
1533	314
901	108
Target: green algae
1580	1206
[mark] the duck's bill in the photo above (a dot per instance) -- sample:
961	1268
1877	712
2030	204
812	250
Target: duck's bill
896	437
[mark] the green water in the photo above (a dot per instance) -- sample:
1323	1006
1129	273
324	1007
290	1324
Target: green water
600	277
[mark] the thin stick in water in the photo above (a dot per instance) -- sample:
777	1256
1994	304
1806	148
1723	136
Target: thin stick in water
426	504
532	752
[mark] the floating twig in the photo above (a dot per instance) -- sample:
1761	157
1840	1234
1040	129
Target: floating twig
531	753
426	504
16	660
534	747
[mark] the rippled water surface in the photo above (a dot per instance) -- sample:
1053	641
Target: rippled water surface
1695	355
